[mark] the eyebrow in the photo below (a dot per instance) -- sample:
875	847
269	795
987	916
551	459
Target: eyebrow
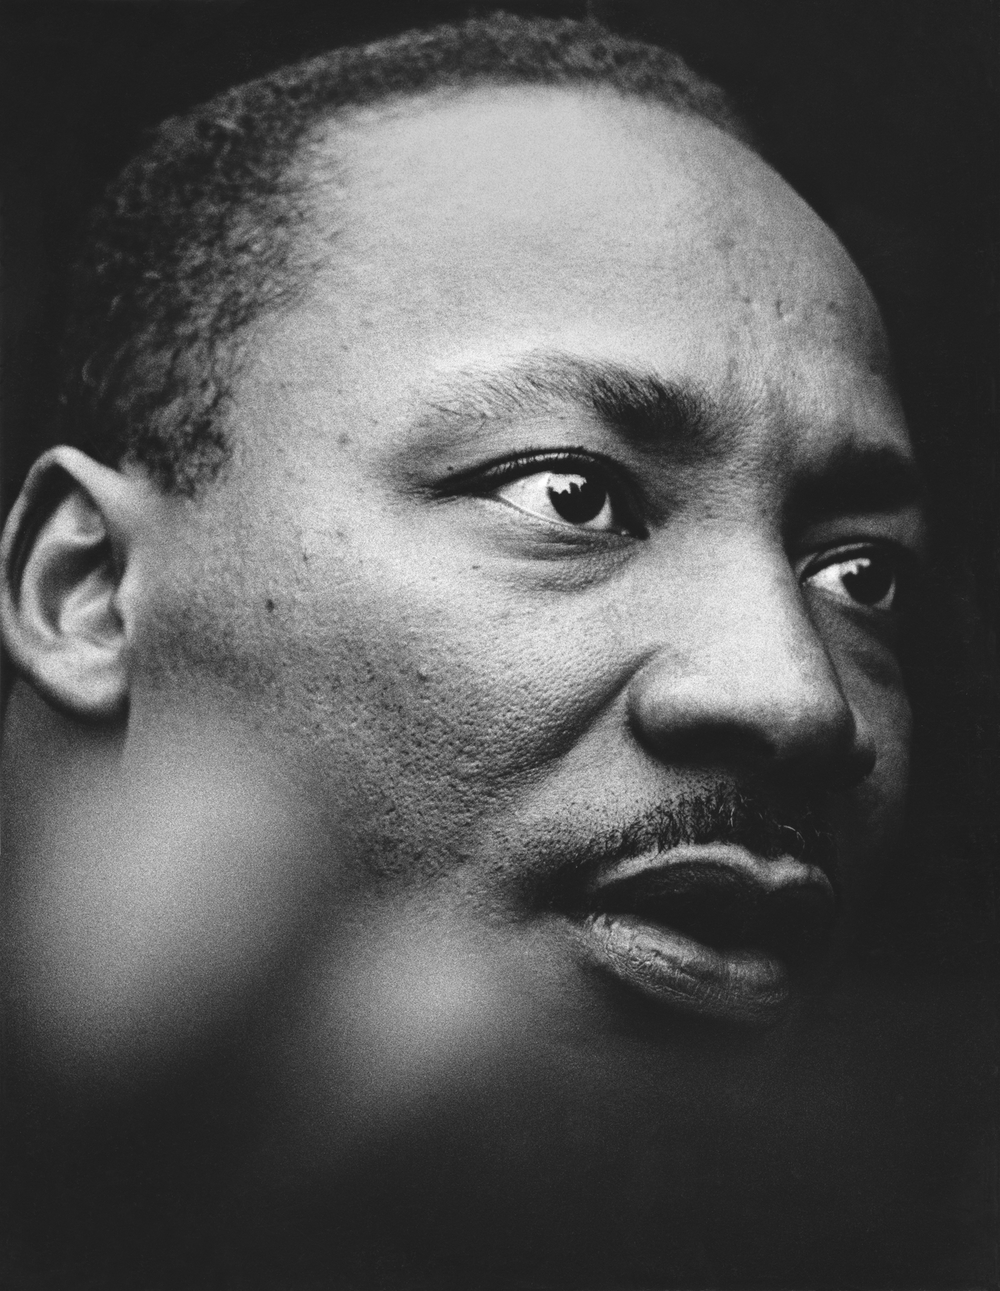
856	478
643	409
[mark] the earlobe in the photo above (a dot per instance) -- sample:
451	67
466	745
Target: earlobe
64	549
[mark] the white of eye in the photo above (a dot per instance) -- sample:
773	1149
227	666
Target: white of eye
866	579
562	497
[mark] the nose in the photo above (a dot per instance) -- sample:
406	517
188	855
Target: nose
740	679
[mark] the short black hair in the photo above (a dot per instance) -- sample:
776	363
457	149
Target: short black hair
197	237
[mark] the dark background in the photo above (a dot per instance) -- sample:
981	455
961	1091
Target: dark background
884	114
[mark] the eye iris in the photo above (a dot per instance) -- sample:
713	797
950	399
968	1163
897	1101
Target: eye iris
866	580
575	498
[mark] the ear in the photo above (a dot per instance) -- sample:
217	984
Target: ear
64	550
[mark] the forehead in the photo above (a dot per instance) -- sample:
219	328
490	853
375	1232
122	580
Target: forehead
473	226
603	168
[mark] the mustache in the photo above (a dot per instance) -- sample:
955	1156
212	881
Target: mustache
759	821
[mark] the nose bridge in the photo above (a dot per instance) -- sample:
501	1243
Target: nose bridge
735	667
752	631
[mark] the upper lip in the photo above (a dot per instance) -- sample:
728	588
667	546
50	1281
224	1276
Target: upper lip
721	895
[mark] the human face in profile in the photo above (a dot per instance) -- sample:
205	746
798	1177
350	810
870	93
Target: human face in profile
561	558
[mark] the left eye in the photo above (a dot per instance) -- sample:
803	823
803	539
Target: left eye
570	497
868	578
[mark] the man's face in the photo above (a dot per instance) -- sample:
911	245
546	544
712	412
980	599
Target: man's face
556	565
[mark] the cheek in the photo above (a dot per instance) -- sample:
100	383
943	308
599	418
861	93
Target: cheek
864	653
477	689
426	667
417	687
870	818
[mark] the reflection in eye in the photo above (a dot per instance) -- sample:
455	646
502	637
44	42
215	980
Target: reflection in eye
568	497
867	578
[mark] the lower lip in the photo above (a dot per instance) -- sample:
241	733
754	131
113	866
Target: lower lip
741	985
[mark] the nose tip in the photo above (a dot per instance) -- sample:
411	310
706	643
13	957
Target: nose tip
764	713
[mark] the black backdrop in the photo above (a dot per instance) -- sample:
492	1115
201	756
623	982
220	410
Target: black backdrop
884	114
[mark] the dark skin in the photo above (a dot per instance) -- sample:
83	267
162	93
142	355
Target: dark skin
564	526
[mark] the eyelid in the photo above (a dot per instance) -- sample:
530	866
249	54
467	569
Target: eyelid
908	561
512	465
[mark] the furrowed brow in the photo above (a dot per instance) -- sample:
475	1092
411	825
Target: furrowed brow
642	408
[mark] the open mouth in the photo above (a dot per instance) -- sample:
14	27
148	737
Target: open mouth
710	929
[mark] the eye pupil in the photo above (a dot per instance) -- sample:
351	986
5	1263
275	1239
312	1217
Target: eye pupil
867	581
576	498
